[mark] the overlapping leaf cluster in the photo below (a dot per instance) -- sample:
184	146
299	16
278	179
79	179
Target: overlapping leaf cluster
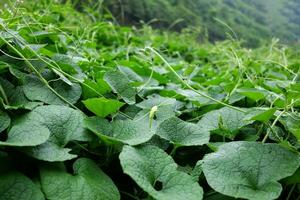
91	110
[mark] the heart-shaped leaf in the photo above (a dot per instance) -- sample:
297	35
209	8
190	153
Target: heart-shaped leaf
156	173
16	186
249	170
103	107
88	182
65	124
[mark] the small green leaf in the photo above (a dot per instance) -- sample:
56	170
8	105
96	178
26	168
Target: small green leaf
124	131
249	170
103	107
197	171
260	114
292	123
120	85
130	74
182	133
294	179
88	182
49	151
26	134
4	121
150	167
156	100
16	186
18	100
253	93
92	89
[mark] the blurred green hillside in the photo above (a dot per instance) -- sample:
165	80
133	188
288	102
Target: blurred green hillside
253	21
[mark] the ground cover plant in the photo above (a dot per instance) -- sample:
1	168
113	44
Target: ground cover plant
93	110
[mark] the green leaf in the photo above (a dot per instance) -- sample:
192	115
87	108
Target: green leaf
26	134
197	171
150	167
3	66
18	100
130	74
294	179
120	85
226	120
92	89
65	125
88	182
36	90
260	114
124	131
182	133
292	123
249	170
50	152
156	100
16	186
253	93
103	107
4	121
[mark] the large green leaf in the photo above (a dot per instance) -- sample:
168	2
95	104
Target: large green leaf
120	85
151	167
65	124
88	182
36	90
103	107
4	121
124	131
226	120
249	170
16	186
182	133
26	134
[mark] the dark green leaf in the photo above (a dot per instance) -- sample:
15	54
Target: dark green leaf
149	166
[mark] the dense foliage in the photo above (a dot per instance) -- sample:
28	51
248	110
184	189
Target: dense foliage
93	110
254	21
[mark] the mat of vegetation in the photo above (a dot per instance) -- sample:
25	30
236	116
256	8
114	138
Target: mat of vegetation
91	110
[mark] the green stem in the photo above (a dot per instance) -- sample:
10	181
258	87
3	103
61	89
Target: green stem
130	195
172	153
189	86
291	192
